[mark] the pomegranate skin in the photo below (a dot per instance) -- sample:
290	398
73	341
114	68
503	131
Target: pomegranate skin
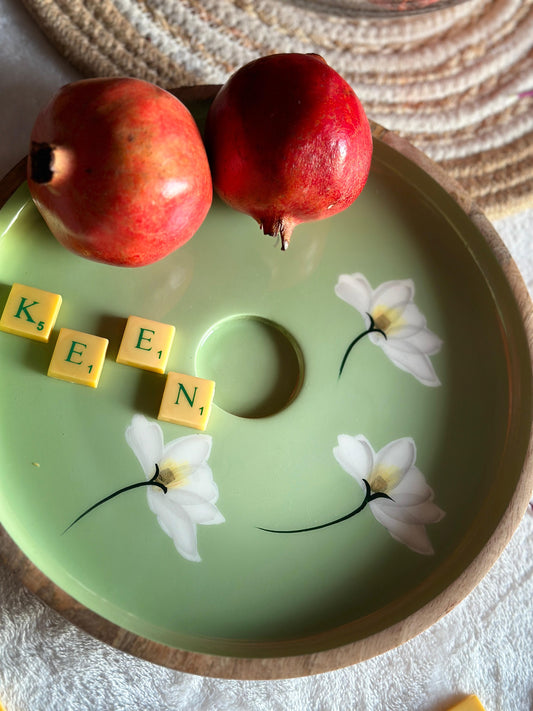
118	170
288	142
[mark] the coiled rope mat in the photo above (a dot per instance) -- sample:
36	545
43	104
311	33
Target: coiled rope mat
455	82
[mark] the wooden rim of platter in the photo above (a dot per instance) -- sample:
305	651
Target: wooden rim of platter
374	643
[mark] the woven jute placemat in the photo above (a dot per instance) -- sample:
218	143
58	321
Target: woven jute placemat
456	82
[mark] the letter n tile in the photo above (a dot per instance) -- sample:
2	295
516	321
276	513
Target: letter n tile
187	400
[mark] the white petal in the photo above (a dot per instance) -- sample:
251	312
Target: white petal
201	482
428	512
175	522
422	341
394	294
400	453
426	341
146	440
425	512
410	321
355	290
182	497
355	455
410	498
413	362
414	536
413	488
197	508
215	518
192	449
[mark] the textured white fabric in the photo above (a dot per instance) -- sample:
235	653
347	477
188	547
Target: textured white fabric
483	646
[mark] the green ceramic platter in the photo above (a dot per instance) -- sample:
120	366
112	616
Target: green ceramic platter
452	385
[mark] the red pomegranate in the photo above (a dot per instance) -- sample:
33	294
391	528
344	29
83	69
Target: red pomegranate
288	142
118	170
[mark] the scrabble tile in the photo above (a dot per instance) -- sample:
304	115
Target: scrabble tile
470	703
30	312
146	344
187	400
78	357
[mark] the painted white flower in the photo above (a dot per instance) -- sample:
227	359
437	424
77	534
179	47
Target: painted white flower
183	493
394	323
395	489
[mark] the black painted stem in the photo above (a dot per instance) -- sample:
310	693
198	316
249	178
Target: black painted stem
369	496
371	329
151	482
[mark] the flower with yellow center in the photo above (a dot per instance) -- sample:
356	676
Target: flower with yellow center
179	483
183	493
397	492
394	323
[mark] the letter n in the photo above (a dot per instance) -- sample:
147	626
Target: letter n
189	399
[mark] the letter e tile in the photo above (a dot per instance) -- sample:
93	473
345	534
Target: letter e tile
146	344
30	312
78	357
187	400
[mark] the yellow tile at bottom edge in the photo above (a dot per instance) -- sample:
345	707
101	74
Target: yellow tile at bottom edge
470	703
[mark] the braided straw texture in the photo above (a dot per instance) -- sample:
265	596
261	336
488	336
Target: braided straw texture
455	82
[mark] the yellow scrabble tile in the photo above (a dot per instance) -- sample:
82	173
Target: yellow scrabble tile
187	400
146	344
30	312
470	703
78	357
